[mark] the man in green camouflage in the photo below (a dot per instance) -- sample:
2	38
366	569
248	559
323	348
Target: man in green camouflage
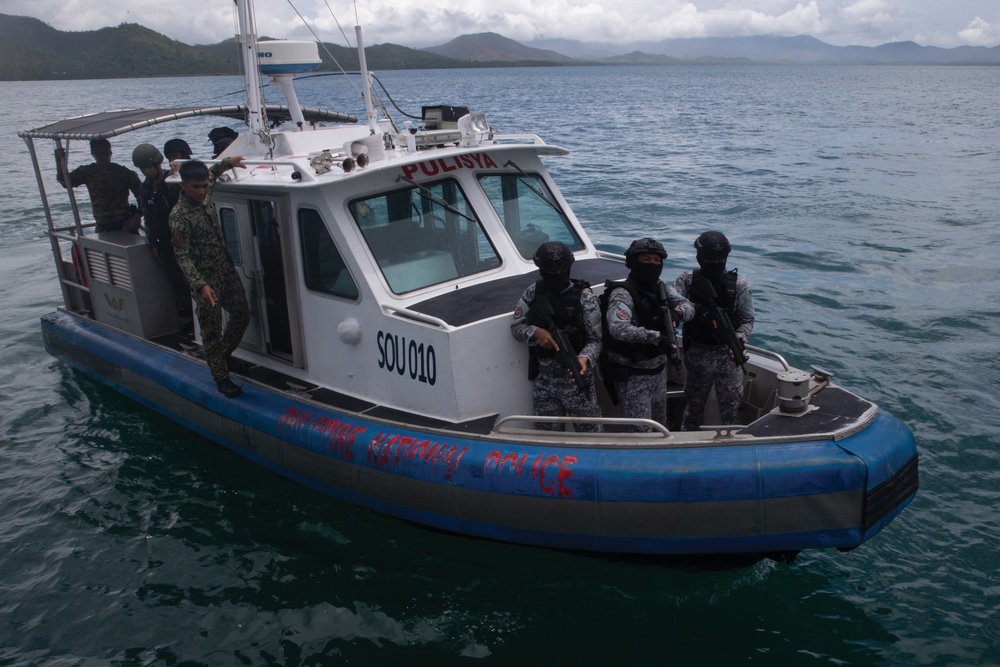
108	185
209	270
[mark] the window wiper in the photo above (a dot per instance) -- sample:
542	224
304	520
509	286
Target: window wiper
534	188
430	196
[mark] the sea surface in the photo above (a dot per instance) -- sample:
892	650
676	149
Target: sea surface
863	205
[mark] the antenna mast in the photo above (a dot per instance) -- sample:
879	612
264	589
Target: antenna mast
248	45
369	106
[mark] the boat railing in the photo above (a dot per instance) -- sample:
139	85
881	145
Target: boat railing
761	352
533	138
76	296
297	173
608	254
414	315
706	436
501	426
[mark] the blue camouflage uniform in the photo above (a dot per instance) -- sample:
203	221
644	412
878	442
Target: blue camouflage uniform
707	360
157	199
553	391
202	255
642	392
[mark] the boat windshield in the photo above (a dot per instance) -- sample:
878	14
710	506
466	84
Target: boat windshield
424	235
529	212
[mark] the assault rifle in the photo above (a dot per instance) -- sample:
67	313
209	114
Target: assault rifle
668	325
704	292
566	354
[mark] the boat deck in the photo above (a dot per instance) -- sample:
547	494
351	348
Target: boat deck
835	412
334	399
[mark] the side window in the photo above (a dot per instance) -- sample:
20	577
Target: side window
529	211
322	263
424	235
231	232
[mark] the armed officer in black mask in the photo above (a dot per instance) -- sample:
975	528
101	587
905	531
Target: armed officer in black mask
637	344
558	308
707	357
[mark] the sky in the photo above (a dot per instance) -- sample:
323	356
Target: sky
417	23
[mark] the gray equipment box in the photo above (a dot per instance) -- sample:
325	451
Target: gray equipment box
128	287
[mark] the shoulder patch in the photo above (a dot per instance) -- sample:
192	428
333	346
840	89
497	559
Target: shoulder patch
518	312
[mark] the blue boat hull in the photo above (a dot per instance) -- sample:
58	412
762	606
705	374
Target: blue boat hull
737	498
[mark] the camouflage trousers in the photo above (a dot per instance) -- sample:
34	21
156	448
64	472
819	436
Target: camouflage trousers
557	396
643	397
705	367
218	343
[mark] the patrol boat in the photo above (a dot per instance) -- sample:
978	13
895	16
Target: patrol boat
382	264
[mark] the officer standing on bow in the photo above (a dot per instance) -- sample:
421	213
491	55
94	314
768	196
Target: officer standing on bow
723	321
638	341
204	258
553	309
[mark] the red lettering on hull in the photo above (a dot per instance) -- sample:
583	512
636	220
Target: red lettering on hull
396	453
432	168
548	474
304	428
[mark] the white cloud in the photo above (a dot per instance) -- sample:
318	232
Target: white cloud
980	33
422	23
876	13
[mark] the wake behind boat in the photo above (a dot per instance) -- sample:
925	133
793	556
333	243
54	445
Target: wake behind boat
382	264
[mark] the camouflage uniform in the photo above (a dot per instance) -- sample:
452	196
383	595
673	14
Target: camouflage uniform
643	392
157	199
108	190
553	391
708	363
202	255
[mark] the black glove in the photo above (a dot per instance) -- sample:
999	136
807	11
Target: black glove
663	343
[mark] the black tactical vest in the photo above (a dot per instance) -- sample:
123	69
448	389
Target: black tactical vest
649	316
568	314
699	329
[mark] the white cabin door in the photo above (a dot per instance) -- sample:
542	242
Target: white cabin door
253	236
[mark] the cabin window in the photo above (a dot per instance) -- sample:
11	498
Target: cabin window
424	235
529	211
323	264
231	233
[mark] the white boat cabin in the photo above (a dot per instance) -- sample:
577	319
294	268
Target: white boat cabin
378	266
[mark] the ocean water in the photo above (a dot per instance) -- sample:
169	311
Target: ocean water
862	203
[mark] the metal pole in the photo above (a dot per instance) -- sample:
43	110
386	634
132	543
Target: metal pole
248	43
369	106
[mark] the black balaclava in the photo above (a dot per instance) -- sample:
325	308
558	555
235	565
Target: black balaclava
555	282
645	274
712	271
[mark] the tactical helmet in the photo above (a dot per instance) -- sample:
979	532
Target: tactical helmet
640	246
712	245
553	257
221	133
146	155
177	146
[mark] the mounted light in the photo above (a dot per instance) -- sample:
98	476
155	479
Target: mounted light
473	126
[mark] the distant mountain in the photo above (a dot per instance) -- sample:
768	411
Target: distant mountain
491	47
30	49
775	49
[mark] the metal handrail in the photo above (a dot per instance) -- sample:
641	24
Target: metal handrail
759	351
414	315
608	421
